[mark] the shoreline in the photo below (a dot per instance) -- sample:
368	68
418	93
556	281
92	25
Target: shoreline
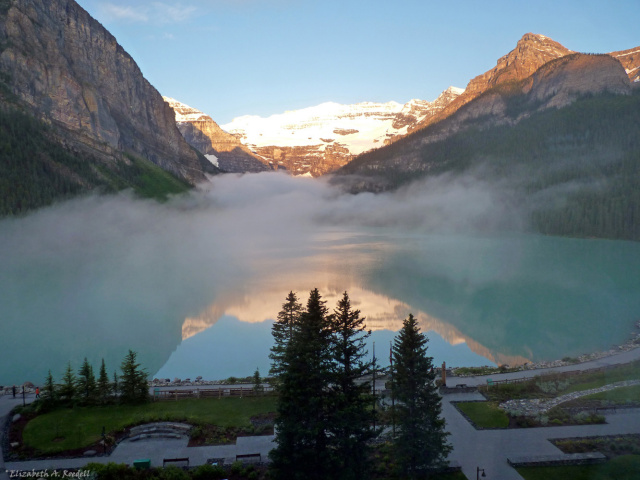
632	343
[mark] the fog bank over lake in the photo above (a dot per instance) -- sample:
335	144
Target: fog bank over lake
97	276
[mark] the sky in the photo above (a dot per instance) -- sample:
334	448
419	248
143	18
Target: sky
261	57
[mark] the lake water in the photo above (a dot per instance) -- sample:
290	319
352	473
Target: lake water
194	290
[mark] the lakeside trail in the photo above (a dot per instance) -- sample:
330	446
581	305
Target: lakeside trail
615	359
488	449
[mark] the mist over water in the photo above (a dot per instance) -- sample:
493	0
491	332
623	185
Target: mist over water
97	276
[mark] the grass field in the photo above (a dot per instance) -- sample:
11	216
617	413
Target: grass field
485	414
620	395
548	386
591	380
620	468
68	429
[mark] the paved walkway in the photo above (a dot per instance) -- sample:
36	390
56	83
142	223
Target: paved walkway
473	448
156	450
7	403
489	449
624	357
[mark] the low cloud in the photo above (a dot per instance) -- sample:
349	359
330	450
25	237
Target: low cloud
172	13
127	13
99	275
156	13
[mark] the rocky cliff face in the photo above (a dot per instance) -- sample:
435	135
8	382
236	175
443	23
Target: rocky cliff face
630	60
317	140
64	67
221	148
555	84
531	52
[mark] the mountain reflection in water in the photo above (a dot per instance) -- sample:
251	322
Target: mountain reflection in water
96	277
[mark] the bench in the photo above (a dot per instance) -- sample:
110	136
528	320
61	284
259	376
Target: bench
175	460
142	464
249	456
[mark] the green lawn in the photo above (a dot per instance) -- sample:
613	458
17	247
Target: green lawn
78	427
620	395
485	414
626	467
591	380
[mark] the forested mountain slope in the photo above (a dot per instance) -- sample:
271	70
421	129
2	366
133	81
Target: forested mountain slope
96	122
572	171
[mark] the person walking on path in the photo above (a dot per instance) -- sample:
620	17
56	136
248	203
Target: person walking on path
37	392
13	389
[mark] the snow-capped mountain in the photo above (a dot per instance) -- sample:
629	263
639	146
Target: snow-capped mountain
220	148
320	139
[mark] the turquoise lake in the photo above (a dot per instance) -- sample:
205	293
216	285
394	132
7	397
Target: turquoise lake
193	286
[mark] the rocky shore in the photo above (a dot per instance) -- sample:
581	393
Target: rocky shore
632	343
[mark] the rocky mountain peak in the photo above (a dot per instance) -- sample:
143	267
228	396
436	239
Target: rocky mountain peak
630	60
531	52
219	147
185	113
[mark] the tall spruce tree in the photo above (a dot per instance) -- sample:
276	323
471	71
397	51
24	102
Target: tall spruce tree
421	441
302	447
49	392
133	381
115	386
103	386
67	388
350	421
258	388
282	332
86	381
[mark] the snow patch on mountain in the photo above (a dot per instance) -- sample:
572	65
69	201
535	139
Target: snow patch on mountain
185	113
213	159
358	127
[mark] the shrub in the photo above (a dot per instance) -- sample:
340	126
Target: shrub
173	473
236	467
197	433
206	472
112	471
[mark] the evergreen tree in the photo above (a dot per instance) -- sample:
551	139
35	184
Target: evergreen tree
350	419
282	332
103	386
421	441
115	386
86	381
133	381
68	386
49	393
257	382
302	450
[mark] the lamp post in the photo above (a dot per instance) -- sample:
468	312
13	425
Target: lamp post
478	470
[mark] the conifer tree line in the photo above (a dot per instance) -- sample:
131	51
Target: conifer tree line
84	388
326	419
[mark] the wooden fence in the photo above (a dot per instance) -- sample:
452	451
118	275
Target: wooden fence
220	392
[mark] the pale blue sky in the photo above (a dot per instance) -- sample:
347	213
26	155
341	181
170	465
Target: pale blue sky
237	57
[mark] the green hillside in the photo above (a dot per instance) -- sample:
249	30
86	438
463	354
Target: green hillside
575	170
35	170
